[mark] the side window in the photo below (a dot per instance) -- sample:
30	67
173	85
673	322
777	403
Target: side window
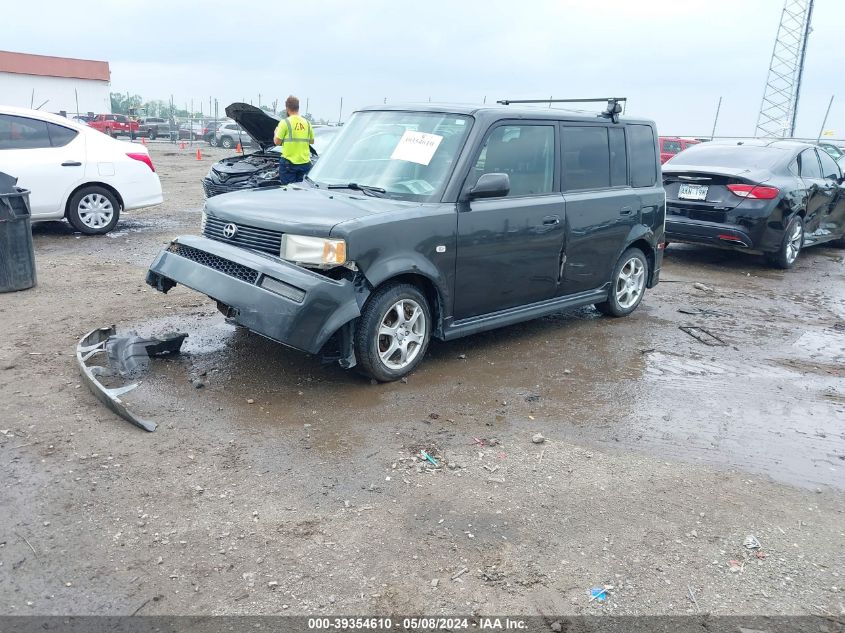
808	164
526	153
642	156
586	158
672	146
60	135
830	170
18	132
618	157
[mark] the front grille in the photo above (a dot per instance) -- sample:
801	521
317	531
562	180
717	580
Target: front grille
252	237
225	266
697	213
212	190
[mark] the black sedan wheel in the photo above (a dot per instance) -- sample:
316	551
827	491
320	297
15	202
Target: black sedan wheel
791	245
393	332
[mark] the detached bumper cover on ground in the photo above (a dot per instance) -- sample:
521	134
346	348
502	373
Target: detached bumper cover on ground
125	354
277	299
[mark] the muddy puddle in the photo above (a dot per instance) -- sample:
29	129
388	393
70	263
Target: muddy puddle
607	383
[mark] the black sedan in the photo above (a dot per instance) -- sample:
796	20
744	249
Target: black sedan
769	197
259	168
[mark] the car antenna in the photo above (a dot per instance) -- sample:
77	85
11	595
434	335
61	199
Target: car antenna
614	104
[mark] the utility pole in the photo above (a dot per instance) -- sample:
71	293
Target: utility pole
779	108
824	122
340	116
716	120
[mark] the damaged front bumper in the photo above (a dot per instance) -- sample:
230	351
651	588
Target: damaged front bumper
297	307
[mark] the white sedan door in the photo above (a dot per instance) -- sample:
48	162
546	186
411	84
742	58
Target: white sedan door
46	158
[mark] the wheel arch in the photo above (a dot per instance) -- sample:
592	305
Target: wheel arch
97	183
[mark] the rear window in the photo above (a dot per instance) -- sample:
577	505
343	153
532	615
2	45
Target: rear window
641	147
745	156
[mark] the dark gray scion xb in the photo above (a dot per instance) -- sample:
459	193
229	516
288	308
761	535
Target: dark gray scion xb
434	221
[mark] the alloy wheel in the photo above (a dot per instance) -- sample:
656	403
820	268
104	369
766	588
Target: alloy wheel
794	242
401	334
630	283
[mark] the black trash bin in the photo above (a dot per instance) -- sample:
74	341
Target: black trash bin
17	259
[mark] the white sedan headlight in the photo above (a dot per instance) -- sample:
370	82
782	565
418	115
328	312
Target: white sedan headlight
317	251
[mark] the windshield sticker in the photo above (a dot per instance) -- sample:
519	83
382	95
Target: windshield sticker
416	147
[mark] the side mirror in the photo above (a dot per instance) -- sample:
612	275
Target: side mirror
491	186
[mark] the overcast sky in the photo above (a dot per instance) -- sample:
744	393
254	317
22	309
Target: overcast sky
673	59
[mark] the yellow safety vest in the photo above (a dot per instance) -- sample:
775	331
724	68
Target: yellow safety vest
296	135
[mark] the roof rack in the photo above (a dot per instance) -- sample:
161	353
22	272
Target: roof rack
614	104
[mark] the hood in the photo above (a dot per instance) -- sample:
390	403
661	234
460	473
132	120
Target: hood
258	124
300	210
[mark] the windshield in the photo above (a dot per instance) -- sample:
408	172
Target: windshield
743	156
408	154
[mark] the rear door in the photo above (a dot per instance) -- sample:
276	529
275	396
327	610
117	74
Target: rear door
46	158
509	248
601	206
820	192
832	222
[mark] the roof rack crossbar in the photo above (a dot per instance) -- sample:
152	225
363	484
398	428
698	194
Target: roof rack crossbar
510	101
614	104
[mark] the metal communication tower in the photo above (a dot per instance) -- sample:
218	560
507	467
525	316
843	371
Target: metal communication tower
783	84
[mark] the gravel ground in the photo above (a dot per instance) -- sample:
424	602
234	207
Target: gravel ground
287	486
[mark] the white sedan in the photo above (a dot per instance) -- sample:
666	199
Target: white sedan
73	171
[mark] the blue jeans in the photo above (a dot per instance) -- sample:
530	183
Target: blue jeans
290	172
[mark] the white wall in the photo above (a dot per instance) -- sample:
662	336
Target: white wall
16	90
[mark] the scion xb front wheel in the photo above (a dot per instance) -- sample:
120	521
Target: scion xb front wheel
393	332
627	284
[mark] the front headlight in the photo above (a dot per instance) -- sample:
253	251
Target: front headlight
313	250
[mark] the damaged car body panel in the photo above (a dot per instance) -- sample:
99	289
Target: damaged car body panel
429	222
284	302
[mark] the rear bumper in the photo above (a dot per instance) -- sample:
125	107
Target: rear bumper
712	233
311	308
145	192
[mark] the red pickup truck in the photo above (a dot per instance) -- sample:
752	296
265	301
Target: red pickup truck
671	145
115	124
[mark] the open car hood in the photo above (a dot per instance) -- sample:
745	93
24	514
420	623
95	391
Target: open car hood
258	124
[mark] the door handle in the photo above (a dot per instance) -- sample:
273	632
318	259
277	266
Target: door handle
626	211
71	163
551	220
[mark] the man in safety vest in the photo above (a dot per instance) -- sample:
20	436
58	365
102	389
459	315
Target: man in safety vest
295	135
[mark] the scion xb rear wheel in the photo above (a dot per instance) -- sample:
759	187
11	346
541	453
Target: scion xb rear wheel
93	210
627	284
393	332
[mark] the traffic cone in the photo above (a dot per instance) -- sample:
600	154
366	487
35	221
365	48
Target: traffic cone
238	149
182	145
199	154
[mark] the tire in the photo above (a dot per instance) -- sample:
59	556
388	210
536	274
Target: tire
213	141
93	210
628	284
151	133
111	133
381	328
790	246
226	142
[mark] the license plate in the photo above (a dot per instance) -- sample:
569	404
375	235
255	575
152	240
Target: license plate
693	192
